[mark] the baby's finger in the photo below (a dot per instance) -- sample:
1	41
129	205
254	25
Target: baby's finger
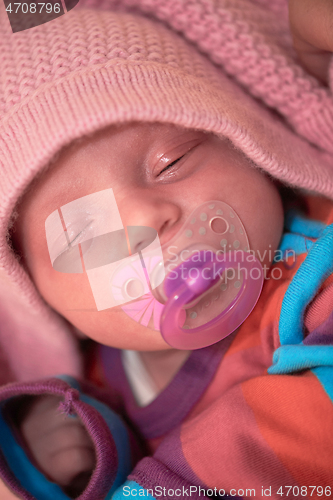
311	24
60	444
69	453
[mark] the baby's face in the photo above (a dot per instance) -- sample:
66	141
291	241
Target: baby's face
159	174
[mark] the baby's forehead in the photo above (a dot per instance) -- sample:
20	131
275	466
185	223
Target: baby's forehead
118	147
128	143
122	138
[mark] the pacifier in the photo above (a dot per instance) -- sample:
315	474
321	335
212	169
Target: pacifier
211	283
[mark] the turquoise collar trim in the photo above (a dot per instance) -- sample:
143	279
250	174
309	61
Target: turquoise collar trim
293	356
317	266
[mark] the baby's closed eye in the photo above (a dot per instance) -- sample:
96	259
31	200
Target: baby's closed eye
172	157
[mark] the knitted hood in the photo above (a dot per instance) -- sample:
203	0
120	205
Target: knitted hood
150	60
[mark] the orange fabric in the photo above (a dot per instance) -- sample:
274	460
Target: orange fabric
225	448
267	310
288	411
320	209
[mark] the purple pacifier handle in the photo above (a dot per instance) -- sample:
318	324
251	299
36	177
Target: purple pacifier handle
182	291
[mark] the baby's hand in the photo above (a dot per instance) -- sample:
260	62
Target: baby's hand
311	23
60	445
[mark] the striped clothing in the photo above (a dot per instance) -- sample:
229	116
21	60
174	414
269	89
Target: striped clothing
255	410
249	417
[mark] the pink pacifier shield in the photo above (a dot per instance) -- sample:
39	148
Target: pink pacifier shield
215	228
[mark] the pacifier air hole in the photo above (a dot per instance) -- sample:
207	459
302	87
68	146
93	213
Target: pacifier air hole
219	225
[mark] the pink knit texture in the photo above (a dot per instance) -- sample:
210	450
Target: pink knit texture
96	66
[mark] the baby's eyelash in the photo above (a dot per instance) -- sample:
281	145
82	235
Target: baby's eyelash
170	165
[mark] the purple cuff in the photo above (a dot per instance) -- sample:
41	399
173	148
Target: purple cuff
107	456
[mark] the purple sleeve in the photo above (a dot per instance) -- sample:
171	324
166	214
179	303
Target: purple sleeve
115	447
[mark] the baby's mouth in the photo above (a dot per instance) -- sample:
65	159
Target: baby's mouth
213	227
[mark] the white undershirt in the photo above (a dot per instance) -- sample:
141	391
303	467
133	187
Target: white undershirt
142	384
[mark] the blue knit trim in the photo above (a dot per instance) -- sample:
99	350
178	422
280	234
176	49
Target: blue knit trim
293	358
297	223
299	244
299	231
325	377
317	266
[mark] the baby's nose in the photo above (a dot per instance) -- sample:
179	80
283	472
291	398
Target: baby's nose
140	237
149	211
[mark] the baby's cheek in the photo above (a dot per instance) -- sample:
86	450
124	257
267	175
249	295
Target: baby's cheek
65	292
265	224
70	294
253	196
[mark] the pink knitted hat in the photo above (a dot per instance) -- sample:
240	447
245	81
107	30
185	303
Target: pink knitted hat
165	61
